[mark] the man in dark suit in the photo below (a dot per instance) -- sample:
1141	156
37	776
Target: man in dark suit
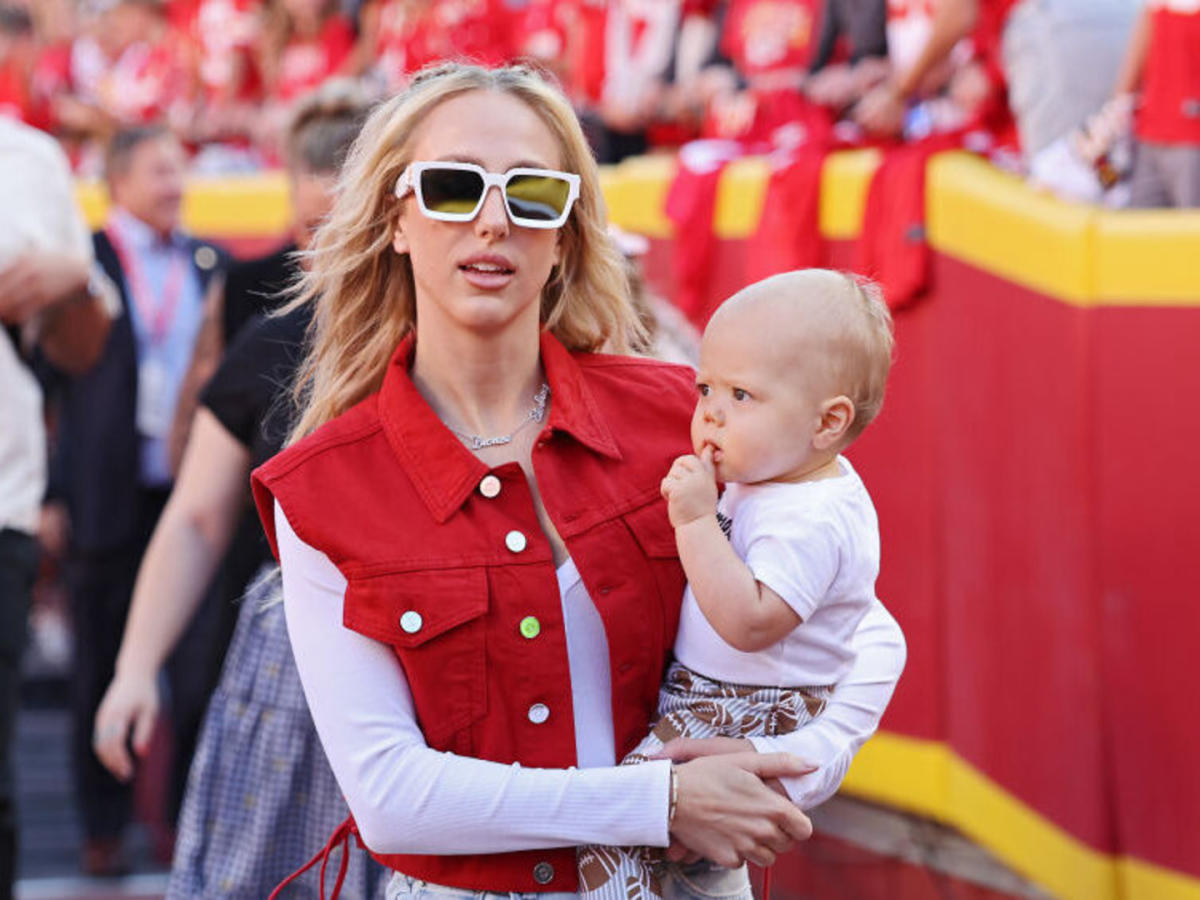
112	468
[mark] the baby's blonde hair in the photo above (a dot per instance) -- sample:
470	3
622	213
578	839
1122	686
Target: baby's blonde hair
869	348
363	291
844	315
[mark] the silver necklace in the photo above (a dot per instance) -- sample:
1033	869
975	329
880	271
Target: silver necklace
536	413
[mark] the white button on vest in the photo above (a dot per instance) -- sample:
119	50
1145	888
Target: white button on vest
411	621
539	713
515	541
490	486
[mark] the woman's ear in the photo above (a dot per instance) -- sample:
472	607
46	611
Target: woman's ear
399	238
837	415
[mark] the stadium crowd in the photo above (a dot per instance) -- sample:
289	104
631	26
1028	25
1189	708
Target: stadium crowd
646	74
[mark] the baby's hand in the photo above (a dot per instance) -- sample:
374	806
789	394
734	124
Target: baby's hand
690	488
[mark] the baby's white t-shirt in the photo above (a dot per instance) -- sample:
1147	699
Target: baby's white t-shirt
816	545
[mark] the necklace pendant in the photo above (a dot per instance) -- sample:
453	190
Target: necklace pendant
478	443
536	414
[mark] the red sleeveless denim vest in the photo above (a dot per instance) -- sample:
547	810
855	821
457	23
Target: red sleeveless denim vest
1170	103
445	568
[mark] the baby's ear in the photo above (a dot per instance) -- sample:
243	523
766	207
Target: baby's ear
837	415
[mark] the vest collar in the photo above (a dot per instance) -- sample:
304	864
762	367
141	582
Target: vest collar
417	435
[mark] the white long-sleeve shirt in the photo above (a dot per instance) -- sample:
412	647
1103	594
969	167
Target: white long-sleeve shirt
409	798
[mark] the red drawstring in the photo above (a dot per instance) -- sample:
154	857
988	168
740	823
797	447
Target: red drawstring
341	835
766	891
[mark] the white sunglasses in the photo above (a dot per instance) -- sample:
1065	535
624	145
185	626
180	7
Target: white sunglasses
455	191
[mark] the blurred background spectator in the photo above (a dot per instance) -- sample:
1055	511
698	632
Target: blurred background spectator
51	303
112	472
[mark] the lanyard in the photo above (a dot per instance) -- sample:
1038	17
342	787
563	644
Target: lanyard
159	317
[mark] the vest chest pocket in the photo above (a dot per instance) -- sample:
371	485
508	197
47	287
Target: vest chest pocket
435	622
651	529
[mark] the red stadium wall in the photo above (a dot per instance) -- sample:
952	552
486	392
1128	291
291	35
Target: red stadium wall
1034	470
1035	474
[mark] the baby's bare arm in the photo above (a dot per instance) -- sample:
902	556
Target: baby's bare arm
747	614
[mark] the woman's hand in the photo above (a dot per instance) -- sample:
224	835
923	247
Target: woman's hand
683	750
724	812
131	701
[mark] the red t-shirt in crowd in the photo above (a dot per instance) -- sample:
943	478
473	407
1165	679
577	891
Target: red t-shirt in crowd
569	34
989	30
71	67
399	41
222	35
181	13
769	35
481	31
144	82
909	23
1170	107
306	62
17	98
763	38
586	62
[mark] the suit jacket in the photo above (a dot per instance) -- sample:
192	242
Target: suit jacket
96	463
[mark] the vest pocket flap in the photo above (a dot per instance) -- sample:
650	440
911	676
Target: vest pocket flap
407	609
652	529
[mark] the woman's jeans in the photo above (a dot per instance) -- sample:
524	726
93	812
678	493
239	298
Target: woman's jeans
697	881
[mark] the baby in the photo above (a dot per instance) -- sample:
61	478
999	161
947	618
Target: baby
781	569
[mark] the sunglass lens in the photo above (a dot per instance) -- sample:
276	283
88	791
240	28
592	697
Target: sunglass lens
537	198
451	191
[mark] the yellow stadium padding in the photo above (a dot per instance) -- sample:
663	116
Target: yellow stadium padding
991	219
929	778
231	206
636	192
845	180
1148	257
740	195
1079	254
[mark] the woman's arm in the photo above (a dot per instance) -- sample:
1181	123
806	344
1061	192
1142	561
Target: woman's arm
187	545
206	357
409	798
851	716
1129	78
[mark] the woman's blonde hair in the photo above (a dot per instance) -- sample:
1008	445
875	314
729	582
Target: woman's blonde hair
363	291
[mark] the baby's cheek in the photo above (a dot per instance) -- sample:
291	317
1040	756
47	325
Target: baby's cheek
697	439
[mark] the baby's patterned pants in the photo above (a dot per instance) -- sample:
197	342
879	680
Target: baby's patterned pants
692	706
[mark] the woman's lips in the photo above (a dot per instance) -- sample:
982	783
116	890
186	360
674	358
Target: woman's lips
487	280
487	272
